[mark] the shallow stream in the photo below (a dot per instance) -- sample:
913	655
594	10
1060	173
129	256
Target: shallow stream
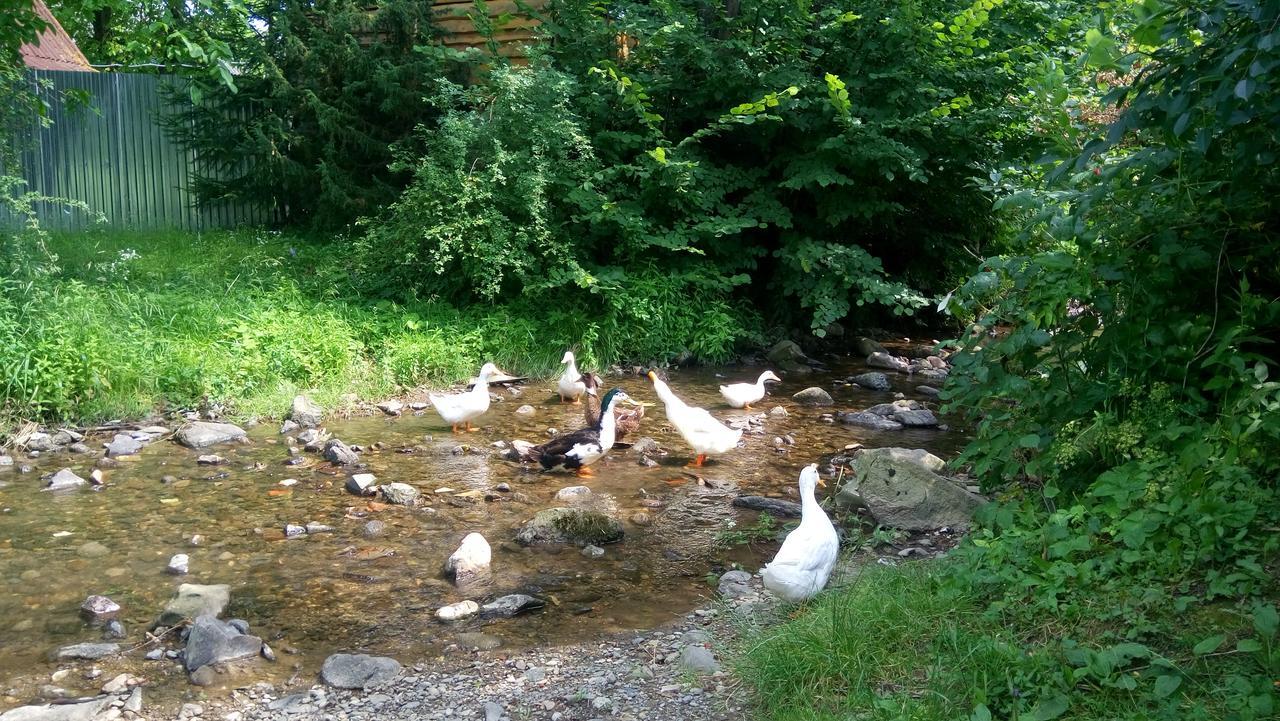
341	590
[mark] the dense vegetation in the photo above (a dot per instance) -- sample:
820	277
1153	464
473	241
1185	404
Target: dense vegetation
1088	189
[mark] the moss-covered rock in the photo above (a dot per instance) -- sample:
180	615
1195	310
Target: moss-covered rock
577	526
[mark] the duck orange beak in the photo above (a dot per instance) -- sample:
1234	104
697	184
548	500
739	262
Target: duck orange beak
652	376
822	483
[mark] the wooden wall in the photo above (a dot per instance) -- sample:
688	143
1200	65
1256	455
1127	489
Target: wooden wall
513	29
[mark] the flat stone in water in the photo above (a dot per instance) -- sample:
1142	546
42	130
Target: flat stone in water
772	506
93	549
87	651
63	480
510	605
123	445
202	434
874	380
195	600
347	670
481	641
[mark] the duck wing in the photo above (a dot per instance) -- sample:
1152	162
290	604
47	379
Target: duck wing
560	451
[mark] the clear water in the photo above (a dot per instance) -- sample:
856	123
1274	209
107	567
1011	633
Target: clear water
311	596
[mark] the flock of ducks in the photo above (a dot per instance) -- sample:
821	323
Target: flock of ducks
802	565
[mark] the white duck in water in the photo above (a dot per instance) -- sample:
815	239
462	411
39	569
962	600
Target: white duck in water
570	386
742	395
697	427
462	408
802	566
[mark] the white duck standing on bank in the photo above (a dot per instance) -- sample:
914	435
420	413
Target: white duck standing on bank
570	386
742	395
462	408
802	566
696	426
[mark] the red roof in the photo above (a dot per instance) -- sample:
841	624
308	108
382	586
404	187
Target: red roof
54	49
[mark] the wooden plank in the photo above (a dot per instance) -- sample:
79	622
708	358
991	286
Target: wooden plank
502	37
466	25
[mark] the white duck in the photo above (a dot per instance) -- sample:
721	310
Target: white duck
570	386
459	408
697	427
802	566
742	395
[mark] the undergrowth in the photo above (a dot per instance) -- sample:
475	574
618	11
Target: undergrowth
125	324
904	643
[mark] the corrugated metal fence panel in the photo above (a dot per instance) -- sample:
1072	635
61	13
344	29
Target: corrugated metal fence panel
114	156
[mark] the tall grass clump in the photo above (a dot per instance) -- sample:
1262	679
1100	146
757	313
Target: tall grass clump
128	324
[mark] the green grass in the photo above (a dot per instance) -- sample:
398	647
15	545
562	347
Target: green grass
134	323
897	643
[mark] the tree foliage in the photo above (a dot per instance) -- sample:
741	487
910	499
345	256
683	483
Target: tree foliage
1127	407
818	153
323	93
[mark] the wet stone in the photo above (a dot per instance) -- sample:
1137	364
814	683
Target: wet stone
345	670
874	381
292	530
510	605
211	641
202	434
93	549
401	494
210	460
99	608
813	396
374	529
195	600
458	611
361	483
392	407
123	445
179	564
63	480
87	651
114	629
305	412
335	451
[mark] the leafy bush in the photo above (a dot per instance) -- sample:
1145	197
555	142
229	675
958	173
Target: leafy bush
823	156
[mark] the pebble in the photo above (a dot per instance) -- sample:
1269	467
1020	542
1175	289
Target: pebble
492	711
179	565
292	530
593	551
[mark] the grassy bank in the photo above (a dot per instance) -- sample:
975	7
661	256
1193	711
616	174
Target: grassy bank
904	643
131	323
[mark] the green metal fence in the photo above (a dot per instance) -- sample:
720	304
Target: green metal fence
114	156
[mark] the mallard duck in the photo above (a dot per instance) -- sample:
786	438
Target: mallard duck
459	408
628	420
742	395
577	450
570	386
697	427
802	566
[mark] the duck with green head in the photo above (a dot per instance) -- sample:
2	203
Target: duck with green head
577	450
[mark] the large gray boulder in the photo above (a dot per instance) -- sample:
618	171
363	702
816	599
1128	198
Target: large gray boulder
194	600
901	489
211	641
358	670
83	711
202	434
578	526
305	412
867	419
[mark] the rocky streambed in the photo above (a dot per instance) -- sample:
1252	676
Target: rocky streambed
219	570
